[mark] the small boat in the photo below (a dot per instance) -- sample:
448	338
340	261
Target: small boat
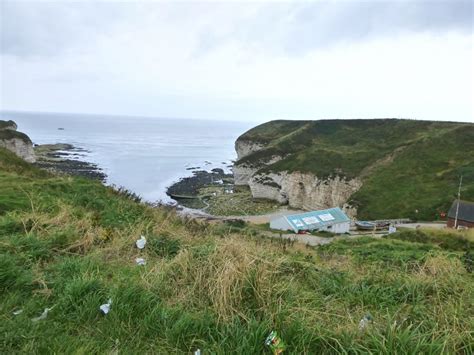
383	225
364	225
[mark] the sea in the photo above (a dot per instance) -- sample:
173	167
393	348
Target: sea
142	154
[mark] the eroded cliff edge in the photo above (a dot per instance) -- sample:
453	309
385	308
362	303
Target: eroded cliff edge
297	189
380	168
17	142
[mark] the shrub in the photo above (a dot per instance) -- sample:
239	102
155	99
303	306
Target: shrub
449	240
163	245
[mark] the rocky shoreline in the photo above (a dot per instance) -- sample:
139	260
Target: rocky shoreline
215	194
189	187
56	158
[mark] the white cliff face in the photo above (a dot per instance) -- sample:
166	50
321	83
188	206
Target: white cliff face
20	147
244	172
244	148
299	190
305	191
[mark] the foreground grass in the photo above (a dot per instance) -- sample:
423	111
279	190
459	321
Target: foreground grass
68	244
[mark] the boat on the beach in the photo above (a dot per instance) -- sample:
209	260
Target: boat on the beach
366	225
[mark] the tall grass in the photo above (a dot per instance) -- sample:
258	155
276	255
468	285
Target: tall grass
70	246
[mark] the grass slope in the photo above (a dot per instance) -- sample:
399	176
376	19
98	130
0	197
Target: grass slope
68	244
406	165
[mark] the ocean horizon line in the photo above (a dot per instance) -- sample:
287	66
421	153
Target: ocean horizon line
112	115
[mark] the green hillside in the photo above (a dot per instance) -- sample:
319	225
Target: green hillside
68	244
405	165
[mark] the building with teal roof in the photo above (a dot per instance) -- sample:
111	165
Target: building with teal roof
332	220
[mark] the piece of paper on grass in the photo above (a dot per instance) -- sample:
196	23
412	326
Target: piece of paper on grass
140	243
105	308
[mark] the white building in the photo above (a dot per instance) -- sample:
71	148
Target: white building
332	220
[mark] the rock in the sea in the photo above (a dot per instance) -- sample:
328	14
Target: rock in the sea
218	171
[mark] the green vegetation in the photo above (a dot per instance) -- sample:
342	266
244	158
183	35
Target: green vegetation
447	239
409	168
8	131
11	134
7	124
239	203
69	244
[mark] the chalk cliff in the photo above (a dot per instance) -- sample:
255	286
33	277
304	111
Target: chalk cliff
377	168
17	142
298	190
304	190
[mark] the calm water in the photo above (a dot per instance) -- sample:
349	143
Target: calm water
144	155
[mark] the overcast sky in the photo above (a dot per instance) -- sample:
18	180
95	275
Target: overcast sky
240	61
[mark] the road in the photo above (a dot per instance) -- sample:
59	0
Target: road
436	225
313	240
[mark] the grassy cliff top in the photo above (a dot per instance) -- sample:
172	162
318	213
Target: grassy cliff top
7	124
406	165
68	244
11	134
8	131
344	146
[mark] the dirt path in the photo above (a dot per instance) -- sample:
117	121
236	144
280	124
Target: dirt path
314	240
263	218
255	219
436	225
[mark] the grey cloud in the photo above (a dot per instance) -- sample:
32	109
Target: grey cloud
46	28
322	24
298	28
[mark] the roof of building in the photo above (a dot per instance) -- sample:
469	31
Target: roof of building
317	218
466	210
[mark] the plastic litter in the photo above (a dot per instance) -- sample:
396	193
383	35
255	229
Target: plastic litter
274	342
140	261
364	322
105	308
15	313
141	242
42	316
197	352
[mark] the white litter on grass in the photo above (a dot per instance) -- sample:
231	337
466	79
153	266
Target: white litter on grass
197	352
15	313
364	322
141	242
105	308
42	316
140	261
